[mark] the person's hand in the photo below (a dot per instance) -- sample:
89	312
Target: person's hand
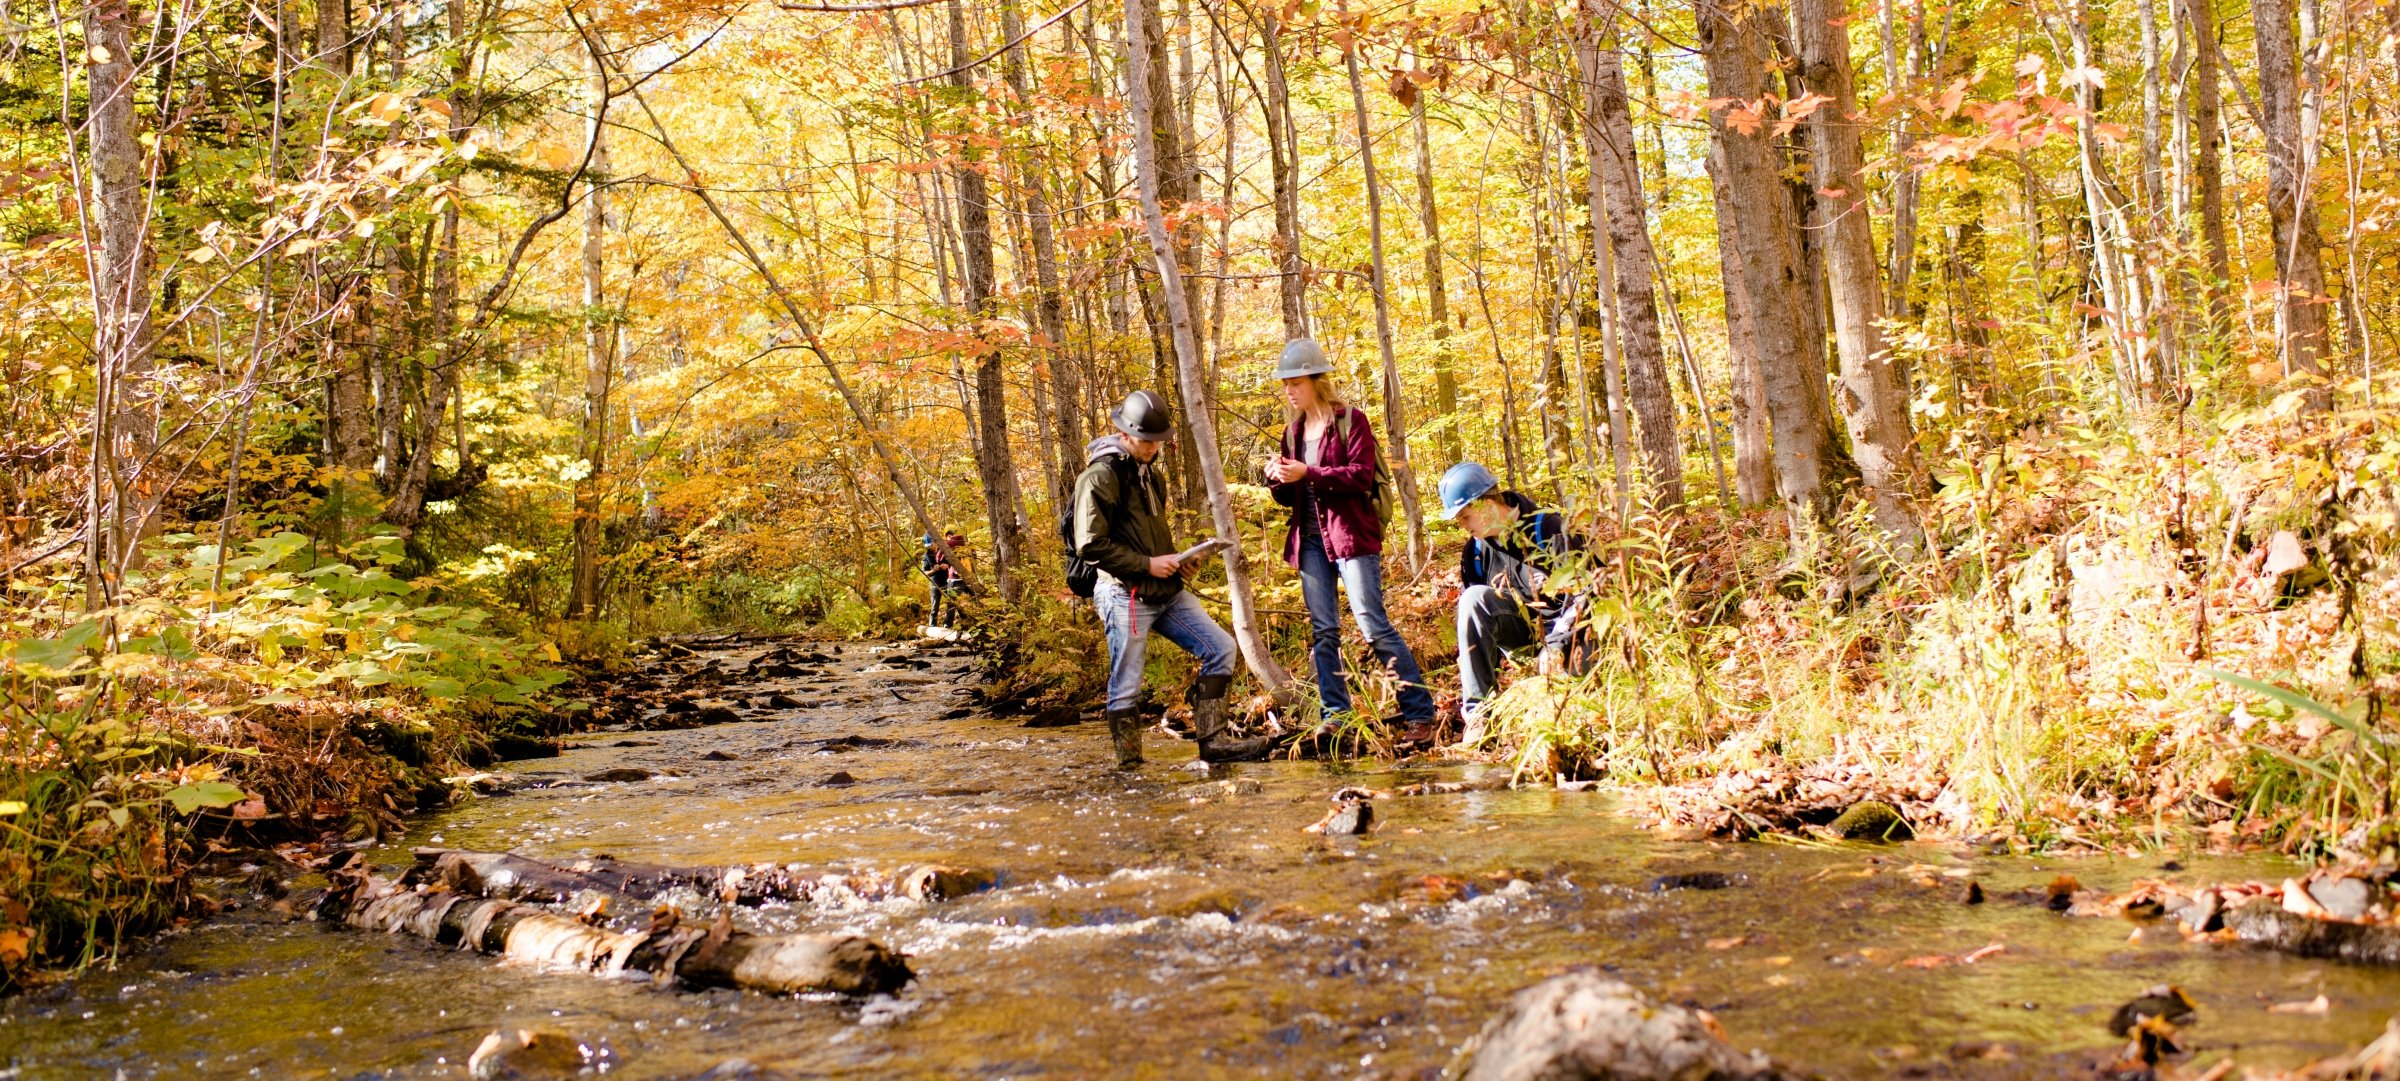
1286	471
1165	566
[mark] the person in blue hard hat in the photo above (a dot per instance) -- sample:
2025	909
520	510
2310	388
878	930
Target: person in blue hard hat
1513	549
1332	477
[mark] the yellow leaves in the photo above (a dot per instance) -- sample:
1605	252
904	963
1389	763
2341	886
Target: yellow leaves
9	807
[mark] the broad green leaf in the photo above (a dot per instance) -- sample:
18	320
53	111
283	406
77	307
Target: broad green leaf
192	797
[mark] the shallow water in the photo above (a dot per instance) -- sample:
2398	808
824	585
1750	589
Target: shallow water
1172	924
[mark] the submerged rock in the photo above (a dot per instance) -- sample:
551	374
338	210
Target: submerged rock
1584	1026
1054	717
1872	820
1352	818
783	701
1694	880
2165	1002
934	882
621	773
525	1054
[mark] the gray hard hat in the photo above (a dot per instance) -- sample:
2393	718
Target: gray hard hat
1143	415
1301	356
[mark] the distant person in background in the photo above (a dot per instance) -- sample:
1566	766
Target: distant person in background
941	573
1504	601
1328	474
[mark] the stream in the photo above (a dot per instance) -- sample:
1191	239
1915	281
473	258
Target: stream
1178	922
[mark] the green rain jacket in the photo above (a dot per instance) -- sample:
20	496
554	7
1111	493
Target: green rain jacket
1121	518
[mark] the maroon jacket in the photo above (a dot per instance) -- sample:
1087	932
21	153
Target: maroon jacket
1341	481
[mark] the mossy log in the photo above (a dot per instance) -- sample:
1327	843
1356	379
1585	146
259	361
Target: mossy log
519	878
708	957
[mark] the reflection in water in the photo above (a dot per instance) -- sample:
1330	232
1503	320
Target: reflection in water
1169	924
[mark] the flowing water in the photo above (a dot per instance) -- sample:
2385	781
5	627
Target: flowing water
1179	923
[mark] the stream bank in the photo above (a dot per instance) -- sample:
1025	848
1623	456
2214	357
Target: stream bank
1178	921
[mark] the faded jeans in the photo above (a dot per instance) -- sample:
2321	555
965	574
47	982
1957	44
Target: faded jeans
1362	578
1489	624
1178	619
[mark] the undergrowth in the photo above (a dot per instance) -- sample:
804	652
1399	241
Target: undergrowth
275	691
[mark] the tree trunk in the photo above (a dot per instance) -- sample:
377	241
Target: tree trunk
1291	285
1619	210
1874	395
2208	156
124	417
333	37
1753	450
1034	176
2299	269
599	363
994	463
1437	290
406	506
1395	411
1255	653
1791	379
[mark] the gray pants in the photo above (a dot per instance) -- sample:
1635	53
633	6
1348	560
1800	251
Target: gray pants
1489	624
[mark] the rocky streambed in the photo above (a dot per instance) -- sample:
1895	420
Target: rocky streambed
1180	921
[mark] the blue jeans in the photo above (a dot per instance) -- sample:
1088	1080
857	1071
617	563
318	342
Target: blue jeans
1362	577
1178	619
1489	625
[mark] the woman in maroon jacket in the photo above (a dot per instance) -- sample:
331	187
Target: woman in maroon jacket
1326	474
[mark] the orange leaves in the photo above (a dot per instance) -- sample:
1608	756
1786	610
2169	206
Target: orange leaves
1752	117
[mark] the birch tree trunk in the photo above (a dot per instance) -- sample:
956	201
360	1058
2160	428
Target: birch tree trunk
1753	449
1395	411
994	463
1616	185
599	362
1255	653
1791	381
2299	267
1873	395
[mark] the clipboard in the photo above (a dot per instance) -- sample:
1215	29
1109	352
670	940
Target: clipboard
1202	550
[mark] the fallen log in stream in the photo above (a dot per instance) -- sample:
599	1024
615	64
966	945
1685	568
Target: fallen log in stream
520	878
715	956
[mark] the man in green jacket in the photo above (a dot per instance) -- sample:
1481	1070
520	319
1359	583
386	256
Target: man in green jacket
1121	529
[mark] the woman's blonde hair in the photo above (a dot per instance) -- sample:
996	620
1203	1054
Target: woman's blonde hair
1322	384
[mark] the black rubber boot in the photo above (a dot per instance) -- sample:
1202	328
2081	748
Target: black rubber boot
1208	724
1125	730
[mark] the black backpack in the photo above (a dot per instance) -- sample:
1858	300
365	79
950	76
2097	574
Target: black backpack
1082	576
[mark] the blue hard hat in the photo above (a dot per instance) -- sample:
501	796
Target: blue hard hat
1465	483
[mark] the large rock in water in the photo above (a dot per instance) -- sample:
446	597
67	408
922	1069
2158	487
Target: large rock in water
1585	1026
